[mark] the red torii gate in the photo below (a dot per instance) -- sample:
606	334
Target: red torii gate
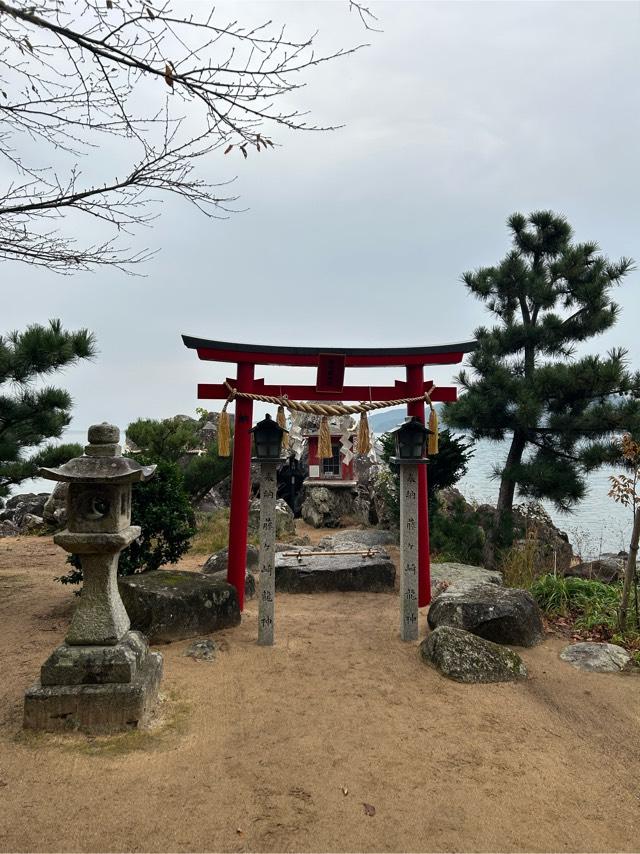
330	363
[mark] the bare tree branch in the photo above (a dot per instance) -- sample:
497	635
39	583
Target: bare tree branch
75	75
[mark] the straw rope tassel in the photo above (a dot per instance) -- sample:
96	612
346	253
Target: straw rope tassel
363	444
324	439
281	419
432	447
224	434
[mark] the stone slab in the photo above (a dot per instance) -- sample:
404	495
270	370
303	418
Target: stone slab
351	572
170	605
367	537
461	574
95	665
95	709
596	657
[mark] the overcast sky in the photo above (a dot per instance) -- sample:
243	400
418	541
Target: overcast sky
457	115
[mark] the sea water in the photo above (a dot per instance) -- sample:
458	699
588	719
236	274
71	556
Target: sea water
597	524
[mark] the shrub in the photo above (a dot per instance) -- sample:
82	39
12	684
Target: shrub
161	508
456	535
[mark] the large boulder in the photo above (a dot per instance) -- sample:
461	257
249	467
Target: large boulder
462	575
325	507
608	568
169	605
285	521
498	614
596	657
468	658
308	574
54	511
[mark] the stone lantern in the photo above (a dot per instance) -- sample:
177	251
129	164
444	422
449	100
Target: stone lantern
103	677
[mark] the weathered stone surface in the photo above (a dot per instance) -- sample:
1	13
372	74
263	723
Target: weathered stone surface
468	658
249	581
370	537
95	665
285	522
596	657
498	614
461	574
219	561
203	650
172	605
30	522
314	574
607	569
54	511
325	508
8	528
96	709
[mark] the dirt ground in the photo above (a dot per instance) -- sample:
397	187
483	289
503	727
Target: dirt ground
280	749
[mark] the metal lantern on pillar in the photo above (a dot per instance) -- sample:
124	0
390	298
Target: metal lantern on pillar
411	440
267	437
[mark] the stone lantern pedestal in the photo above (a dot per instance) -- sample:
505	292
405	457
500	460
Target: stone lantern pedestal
103	677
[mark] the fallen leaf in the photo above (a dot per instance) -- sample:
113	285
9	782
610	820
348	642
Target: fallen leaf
345	791
369	809
239	831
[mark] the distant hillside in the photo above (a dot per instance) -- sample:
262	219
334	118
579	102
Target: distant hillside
385	419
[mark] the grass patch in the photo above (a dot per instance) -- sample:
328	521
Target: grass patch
592	607
212	533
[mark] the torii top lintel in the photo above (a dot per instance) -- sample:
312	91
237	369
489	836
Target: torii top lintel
354	357
330	363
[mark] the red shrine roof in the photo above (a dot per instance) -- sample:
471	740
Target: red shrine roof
224	351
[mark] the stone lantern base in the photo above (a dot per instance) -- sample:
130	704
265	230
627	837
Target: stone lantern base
95	689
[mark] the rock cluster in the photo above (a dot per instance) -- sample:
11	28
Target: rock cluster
495	613
23	513
326	508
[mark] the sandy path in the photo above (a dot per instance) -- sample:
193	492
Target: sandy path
256	746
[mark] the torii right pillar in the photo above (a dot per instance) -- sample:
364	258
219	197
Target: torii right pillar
415	388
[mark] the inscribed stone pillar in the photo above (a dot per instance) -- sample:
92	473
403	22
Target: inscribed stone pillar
409	552
266	583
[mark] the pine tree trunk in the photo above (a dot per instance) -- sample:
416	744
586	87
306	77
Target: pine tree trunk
506	494
507	485
629	571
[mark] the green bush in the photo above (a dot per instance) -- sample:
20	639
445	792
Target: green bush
456	535
162	510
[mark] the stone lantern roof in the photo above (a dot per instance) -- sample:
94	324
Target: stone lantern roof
102	461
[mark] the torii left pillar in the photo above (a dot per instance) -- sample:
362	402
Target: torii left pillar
240	482
415	387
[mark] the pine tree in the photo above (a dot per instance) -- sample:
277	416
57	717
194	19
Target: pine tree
561	413
29	415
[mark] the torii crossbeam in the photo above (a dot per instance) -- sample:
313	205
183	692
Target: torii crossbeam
330	363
